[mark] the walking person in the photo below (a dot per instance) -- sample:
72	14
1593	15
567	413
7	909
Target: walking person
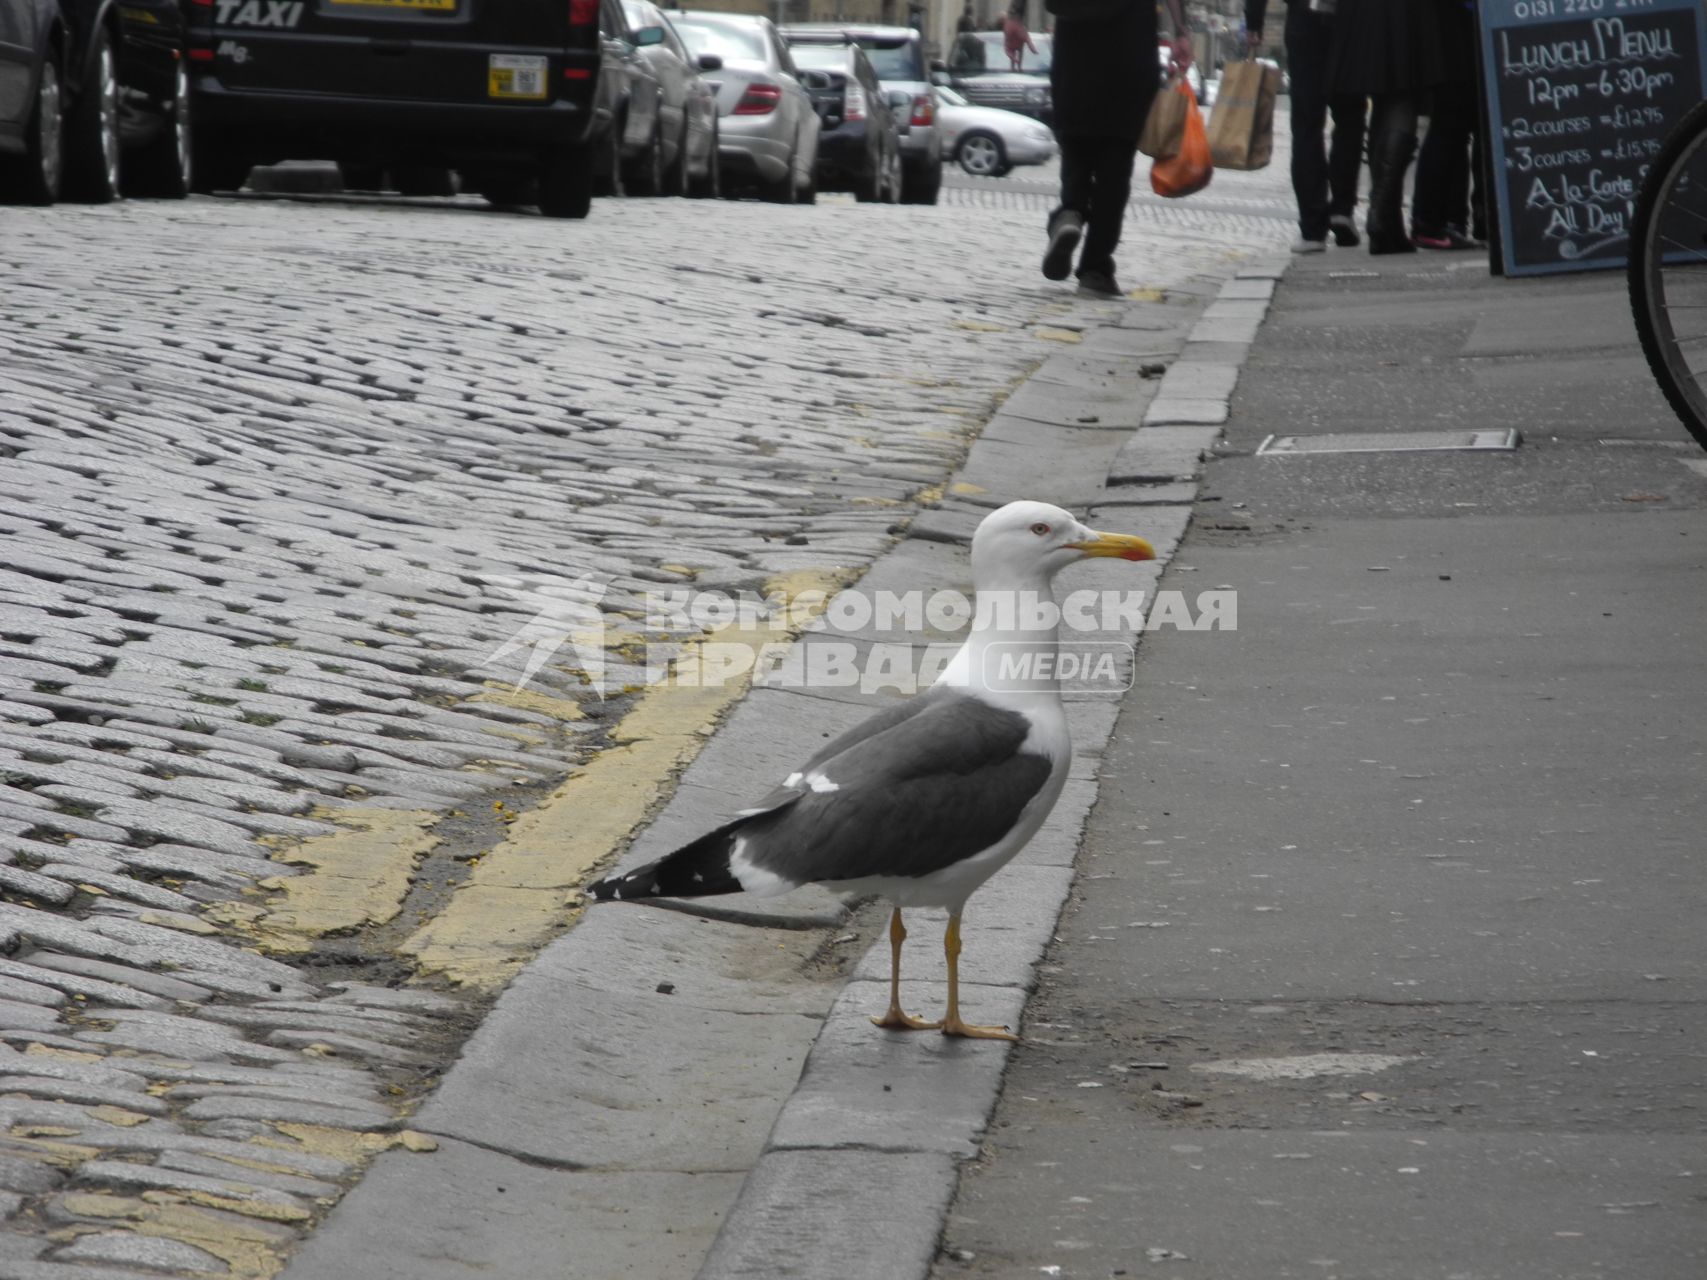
1102	79
1016	39
1324	177
1389	51
1442	205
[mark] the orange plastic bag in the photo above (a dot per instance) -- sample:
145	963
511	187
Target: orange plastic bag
1190	170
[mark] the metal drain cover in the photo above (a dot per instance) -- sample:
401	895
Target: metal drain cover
1392	442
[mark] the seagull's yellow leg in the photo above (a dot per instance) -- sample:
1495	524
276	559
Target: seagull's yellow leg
952	1025
895	1020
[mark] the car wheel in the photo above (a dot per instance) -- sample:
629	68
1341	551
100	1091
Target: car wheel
647	176
676	176
607	173
981	154
92	129
165	167
566	182
869	187
34	177
710	186
782	191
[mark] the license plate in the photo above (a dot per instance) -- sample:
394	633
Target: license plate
515	75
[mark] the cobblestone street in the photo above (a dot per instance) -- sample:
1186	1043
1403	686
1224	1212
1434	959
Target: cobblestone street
280	480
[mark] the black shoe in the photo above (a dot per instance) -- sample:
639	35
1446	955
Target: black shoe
1099	284
1345	231
1063	239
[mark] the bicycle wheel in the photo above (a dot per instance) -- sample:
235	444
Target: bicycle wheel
1668	270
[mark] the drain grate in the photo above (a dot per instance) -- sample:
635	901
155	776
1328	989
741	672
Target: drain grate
1392	442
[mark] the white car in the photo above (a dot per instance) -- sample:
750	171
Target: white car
986	141
767	126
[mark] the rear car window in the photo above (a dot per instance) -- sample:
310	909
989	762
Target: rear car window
894	59
744	44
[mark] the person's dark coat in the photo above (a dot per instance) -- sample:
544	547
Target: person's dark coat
1387	47
1103	75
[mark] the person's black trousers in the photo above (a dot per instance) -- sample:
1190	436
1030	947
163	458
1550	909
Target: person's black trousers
1441	197
1324	180
1096	181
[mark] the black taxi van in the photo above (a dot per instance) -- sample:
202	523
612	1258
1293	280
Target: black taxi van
516	95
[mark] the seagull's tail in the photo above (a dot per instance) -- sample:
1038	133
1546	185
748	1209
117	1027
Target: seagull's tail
697	870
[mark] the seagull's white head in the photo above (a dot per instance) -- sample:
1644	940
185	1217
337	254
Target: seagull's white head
1026	541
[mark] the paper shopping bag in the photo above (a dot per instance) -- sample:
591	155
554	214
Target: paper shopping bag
1241	126
1191	169
1165	125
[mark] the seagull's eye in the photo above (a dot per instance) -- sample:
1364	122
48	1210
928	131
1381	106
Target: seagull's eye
1040	529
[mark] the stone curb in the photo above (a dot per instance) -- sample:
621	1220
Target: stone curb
874	1131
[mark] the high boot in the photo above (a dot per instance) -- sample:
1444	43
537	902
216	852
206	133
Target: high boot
1390	160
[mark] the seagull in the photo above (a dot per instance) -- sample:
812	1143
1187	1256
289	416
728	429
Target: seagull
923	802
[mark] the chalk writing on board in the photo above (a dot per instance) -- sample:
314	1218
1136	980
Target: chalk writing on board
1580	96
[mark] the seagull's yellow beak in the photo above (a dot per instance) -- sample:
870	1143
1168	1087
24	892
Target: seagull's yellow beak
1124	546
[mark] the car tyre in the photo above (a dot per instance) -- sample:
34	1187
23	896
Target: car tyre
710	185
607	172
92	129
783	190
676	176
923	188
165	167
981	154
566	182
646	178
35	176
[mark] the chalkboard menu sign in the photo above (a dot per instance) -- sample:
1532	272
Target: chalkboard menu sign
1579	96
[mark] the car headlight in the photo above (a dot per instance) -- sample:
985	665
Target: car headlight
1038	95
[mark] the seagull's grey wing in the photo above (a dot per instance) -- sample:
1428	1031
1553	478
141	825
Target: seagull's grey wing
920	794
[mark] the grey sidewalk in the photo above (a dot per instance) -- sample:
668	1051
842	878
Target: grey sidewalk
1384	954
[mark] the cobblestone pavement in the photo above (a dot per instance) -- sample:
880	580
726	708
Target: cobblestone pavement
277	480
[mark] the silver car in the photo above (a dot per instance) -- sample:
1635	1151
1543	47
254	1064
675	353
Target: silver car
897	55
986	141
767	127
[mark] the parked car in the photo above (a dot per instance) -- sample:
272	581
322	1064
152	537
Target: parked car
897	56
94	101
688	105
638	107
978	69
528	99
858	148
32	100
767	127
987	142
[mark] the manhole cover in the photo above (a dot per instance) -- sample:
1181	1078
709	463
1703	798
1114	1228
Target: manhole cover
1392	442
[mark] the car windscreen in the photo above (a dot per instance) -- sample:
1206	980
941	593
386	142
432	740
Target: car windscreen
743	44
893	59
977	51
826	57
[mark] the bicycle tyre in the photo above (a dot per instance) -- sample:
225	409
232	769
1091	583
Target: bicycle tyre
1667	269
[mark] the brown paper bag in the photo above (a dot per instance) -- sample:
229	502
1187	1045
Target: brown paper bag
1241	125
1164	127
